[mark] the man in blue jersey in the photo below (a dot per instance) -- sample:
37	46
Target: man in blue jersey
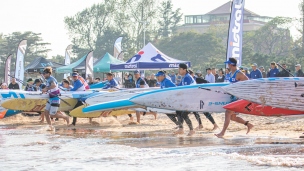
53	103
182	116
112	83
235	76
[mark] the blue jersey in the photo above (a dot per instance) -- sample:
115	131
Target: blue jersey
111	84
187	80
78	86
166	83
232	79
227	77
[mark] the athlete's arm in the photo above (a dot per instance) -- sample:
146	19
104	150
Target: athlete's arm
77	85
241	76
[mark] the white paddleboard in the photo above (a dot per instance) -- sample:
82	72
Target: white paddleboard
192	98
276	92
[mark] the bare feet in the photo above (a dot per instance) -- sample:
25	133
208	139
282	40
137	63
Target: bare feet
199	127
220	135
191	133
175	127
67	119
215	127
155	115
41	121
249	127
51	128
179	131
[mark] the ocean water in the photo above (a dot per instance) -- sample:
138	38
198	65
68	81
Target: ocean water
34	148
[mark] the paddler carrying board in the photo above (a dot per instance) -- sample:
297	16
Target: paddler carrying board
53	103
235	75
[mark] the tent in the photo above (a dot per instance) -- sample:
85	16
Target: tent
150	58
103	65
39	64
70	68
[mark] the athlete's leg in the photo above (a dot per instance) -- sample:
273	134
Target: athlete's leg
172	117
198	118
185	115
228	114
210	118
242	121
180	123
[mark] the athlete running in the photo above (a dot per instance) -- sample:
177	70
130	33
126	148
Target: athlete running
166	83
53	103
235	75
187	79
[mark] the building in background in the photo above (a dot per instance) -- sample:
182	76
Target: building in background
220	17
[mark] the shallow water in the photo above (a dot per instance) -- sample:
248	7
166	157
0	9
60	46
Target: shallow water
34	148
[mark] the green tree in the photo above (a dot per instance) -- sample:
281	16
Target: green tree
169	19
35	47
87	27
58	58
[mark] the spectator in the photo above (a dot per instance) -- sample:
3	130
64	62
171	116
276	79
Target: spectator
178	78
90	80
173	77
131	80
29	85
152	82
227	74
210	77
274	71
284	72
13	85
97	80
38	85
299	72
4	86
255	73
214	73
246	72
221	77
264	75
198	74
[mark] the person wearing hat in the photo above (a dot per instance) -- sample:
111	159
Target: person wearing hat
182	116
264	75
29	85
112	83
285	72
139	82
299	72
235	76
255	73
13	85
52	105
210	77
274	71
4	86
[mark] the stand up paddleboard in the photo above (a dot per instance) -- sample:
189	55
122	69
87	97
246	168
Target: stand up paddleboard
192	98
79	114
251	108
286	93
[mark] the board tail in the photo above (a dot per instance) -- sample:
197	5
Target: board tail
118	104
7	113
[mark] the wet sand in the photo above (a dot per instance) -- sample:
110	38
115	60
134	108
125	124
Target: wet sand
272	142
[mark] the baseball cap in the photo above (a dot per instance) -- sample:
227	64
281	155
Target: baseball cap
254	64
29	80
262	67
136	72
231	61
160	73
298	65
74	74
184	66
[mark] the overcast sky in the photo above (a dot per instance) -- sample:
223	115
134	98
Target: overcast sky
46	17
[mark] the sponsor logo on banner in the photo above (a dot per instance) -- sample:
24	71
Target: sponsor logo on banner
235	31
130	66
